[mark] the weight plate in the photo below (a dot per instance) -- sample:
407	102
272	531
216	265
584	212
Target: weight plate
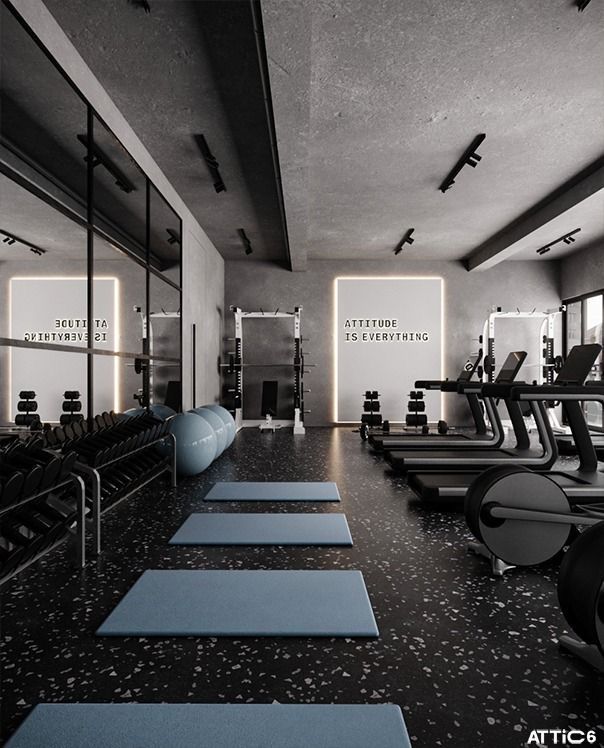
477	489
523	542
581	586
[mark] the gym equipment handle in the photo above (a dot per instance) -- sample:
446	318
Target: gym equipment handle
536	515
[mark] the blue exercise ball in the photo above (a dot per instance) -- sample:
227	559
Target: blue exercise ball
228	420
162	411
132	412
195	443
217	424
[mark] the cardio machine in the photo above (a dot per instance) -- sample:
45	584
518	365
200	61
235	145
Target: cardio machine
472	390
451	487
540	457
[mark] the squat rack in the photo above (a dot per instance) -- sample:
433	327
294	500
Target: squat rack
236	366
548	364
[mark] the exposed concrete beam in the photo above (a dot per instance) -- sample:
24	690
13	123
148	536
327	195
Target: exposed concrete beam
288	38
504	244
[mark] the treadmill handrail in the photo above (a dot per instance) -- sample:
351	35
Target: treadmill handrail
431	384
464	387
550	392
499	389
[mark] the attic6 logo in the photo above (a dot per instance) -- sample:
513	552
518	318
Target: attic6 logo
561	737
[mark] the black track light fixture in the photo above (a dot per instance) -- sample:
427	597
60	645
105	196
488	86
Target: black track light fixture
566	239
582	4
407	239
11	239
469	158
100	158
141	4
173	236
245	241
211	162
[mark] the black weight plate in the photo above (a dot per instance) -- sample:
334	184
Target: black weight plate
580	586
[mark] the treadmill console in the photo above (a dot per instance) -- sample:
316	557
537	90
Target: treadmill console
511	367
469	368
578	364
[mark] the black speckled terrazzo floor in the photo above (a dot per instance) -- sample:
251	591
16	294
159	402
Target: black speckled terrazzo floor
472	660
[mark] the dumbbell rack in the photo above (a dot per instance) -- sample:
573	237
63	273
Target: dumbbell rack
96	479
80	547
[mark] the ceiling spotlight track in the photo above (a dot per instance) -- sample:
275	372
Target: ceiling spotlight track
100	158
405	240
173	237
211	161
141	4
11	239
245	241
567	239
469	158
582	4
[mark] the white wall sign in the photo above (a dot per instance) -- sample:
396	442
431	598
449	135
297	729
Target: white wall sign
388	333
53	310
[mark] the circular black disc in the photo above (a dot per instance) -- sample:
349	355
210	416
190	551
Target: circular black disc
524	542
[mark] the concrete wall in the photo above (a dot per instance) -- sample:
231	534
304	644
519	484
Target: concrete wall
468	300
582	273
203	267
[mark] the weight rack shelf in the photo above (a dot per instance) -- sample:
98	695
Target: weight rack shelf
80	548
100	505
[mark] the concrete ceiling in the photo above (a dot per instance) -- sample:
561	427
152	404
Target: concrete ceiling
587	215
374	102
186	68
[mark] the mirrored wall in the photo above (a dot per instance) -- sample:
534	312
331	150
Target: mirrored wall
90	251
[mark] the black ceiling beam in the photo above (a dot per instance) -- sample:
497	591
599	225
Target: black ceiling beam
211	162
567	239
12	239
245	241
582	4
469	158
99	157
405	240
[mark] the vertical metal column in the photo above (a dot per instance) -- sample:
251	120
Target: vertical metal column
90	259
239	368
298	374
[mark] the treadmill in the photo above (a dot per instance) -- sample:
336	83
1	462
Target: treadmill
450	487
379	440
585	484
540	456
472	390
566	443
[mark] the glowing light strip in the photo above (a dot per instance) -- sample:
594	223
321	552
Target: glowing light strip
117	335
116	342
336	338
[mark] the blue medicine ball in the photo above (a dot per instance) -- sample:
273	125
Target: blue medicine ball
228	420
162	411
217	424
195	443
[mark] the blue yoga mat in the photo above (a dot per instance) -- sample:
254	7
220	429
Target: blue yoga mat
268	491
212	726
244	603
263	529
